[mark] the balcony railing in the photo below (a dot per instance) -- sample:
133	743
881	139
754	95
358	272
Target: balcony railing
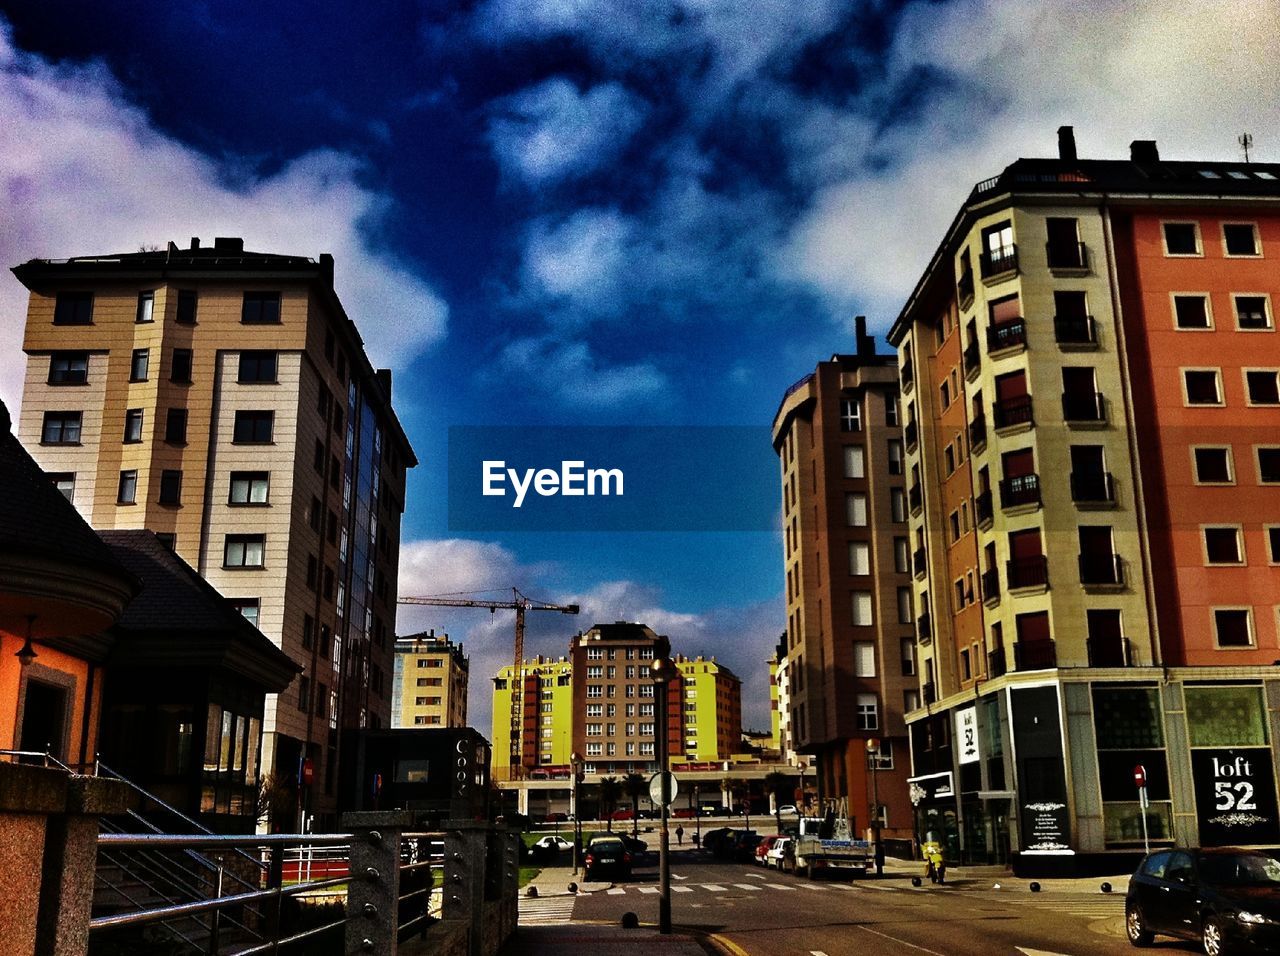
1075	330
1110	652
1020	491
1027	572
918	564
1009	412
1067	255
978	432
991	586
1093	486
929	692
924	626
1101	569
915	498
1010	334
907	374
983	509
996	262
996	666
972	359
964	288
911	433
1034	655
1084	407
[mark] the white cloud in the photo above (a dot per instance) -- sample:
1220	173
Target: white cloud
83	171
579	258
552	131
574	376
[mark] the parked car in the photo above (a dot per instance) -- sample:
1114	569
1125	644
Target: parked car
622	815
684	813
788	809
782	851
1226	898
607	859
557	818
554	842
637	848
763	847
744	845
712	839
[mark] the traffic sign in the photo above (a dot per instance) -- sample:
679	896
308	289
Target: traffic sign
308	772
1140	775
655	787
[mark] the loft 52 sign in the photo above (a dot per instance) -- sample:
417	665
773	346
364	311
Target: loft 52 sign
1235	796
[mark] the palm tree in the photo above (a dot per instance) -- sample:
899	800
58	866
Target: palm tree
610	790
635	785
777	783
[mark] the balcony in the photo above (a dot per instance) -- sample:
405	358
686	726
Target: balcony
918	564
1012	412
924	627
915	499
1087	408
972	360
978	432
1027	572
984	513
1067	257
1075	331
996	666
1092	488
1109	652
907	374
1020	492
1010	334
997	264
1034	655
911	434
929	691
964	289
990	587
1101	570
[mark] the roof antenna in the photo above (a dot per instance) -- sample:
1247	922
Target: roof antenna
1246	142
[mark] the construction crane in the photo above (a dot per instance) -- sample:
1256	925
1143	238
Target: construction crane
520	604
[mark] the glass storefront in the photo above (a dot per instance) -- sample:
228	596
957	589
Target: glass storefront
1130	734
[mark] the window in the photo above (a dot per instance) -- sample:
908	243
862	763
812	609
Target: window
175	426
253	427
864	659
891	409
304	693
1192	312
1233	627
65	482
257	366
1063	248
897	504
850	415
139	364
966	666
180	367
595	653
146	307
1262	386
1222	545
908	657
1269	465
861	603
1212	465
854	461
905	615
248	608
855	510
73	308
1253	313
68	368
170	487
186	307
859	557
868	712
910	700
895	456
127	492
595	690
133	425
944	391
244	551
1240	239
1202	386
1182	239
260	308
901	555
1273	535
249	488
949	459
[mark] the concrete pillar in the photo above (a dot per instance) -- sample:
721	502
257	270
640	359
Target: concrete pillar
373	895
522	801
464	877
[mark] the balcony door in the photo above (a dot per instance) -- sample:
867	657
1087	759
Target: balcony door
998	241
44	718
1012	387
1026	559
1097	555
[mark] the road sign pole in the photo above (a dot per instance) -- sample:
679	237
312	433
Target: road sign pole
1140	778
664	837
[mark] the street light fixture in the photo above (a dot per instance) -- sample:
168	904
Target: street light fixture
575	765
873	760
661	670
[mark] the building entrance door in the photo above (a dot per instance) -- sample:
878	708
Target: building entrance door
44	718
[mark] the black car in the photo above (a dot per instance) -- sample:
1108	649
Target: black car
712	839
1227	898
607	860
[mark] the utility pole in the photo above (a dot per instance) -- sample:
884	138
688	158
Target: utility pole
661	670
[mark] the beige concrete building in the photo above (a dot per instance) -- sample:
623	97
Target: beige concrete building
430	684
223	399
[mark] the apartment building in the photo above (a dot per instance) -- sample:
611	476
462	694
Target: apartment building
546	719
850	655
430	682
222	398
1089	375
711	710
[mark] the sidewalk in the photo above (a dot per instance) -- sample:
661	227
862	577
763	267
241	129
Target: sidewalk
986	877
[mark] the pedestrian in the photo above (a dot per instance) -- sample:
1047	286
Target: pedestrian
680	835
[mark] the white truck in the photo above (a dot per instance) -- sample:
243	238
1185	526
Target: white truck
827	846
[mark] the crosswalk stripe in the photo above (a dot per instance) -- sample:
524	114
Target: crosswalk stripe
681	889
713	887
536	911
647	889
814	886
747	886
614	891
780	886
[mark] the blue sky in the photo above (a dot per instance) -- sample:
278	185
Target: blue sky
589	212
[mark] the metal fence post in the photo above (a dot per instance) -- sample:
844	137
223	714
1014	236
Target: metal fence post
373	894
464	874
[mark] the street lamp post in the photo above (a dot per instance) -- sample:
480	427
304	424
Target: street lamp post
660	670
575	766
873	754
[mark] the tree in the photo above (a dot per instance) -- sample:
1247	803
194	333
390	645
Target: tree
777	783
734	788
610	791
635	785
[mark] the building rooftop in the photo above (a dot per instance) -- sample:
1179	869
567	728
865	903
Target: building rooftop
620	631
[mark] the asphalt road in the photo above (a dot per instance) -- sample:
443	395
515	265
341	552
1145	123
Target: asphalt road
762	912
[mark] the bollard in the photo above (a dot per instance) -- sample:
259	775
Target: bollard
374	890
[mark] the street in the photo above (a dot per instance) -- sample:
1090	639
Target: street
762	912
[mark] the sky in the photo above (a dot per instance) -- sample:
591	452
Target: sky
589	213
